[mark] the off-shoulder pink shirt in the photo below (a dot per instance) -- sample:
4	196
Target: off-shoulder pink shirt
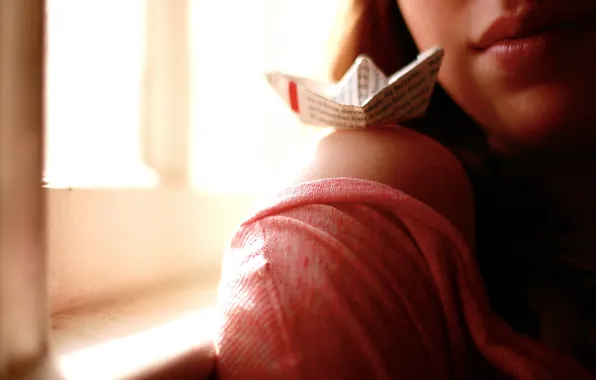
351	279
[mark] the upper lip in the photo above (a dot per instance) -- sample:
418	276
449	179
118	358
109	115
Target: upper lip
531	23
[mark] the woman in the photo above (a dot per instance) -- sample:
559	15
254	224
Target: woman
459	246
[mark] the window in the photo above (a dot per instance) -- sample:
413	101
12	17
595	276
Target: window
141	95
101	65
95	70
160	118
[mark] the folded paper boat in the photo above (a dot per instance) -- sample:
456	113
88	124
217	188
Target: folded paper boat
364	97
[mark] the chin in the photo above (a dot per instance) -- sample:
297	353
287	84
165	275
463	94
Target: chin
549	121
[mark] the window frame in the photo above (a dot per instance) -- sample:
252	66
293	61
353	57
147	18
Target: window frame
165	127
23	320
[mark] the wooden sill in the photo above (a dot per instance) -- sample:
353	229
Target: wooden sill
162	334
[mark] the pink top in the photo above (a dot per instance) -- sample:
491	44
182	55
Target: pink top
351	279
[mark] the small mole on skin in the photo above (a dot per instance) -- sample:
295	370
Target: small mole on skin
266	269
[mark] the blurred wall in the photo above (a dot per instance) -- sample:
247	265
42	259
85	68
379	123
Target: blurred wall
104	243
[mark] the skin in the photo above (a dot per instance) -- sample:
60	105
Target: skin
546	108
403	159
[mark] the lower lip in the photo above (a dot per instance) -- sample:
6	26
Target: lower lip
537	52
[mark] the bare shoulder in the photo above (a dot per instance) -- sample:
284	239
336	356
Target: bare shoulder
403	159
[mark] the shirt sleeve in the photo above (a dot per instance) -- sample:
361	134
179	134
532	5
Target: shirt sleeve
330	291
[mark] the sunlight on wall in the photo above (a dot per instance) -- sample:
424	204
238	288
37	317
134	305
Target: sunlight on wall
244	137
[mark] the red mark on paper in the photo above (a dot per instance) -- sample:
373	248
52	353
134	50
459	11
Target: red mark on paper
293	89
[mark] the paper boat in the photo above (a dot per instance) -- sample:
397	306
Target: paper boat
364	97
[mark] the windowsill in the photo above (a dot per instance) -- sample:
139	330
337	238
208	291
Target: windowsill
103	177
164	333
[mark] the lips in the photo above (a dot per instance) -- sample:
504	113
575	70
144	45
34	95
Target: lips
532	23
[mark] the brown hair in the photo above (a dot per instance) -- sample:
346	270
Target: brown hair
375	28
523	250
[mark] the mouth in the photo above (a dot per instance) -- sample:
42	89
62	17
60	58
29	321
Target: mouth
512	29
